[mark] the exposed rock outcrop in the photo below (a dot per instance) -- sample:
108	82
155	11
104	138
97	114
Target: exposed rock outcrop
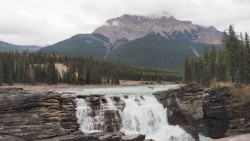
206	111
36	115
49	116
131	27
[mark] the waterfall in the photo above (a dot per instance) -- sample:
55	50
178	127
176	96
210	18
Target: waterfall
87	123
145	115
129	114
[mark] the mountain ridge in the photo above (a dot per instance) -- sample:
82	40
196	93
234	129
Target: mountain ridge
4	46
132	27
157	42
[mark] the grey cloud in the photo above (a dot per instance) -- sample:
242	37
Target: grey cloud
44	22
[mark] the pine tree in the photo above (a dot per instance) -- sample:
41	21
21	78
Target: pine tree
1	73
242	60
187	71
222	70
232	49
52	72
207	75
247	58
213	68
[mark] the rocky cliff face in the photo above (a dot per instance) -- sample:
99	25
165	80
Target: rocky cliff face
132	27
209	112
36	115
48	116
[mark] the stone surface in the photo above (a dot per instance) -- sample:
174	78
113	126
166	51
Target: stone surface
133	137
244	137
210	112
36	115
131	27
10	138
49	116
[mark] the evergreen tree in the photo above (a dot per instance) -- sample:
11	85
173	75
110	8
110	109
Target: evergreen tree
242	60
222	70
52	77
213	68
233	52
247	58
206	68
186	71
1	73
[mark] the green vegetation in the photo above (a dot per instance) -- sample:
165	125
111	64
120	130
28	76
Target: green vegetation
157	52
231	64
79	45
4	47
152	51
39	67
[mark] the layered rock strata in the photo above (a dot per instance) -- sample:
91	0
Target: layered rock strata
48	116
213	113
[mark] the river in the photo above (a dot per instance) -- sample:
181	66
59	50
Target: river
142	114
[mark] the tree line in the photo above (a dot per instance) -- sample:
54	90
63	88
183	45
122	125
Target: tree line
31	68
232	63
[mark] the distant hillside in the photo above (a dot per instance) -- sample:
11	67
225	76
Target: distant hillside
80	45
149	42
11	47
157	52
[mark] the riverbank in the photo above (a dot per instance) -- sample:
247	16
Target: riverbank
49	87
95	89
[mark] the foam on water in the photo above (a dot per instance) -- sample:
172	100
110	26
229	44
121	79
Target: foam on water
86	122
116	90
145	115
142	114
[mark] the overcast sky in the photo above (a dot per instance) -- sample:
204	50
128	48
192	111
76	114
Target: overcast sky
42	22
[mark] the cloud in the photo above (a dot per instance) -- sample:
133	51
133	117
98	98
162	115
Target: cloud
42	22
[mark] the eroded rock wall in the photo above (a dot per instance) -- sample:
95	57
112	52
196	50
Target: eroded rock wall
210	112
49	116
36	115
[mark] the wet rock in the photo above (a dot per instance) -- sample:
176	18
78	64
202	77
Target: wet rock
100	108
200	110
133	137
10	138
50	116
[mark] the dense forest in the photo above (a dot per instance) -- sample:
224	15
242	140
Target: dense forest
232	63
39	67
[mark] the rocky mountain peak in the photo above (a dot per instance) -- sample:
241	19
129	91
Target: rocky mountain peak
131	27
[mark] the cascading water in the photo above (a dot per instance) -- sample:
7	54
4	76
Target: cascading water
135	114
87	123
145	115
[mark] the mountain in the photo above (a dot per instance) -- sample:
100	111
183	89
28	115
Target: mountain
132	27
156	52
11	47
81	45
149	42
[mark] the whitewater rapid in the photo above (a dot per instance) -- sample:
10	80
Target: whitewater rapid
142	114
145	115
